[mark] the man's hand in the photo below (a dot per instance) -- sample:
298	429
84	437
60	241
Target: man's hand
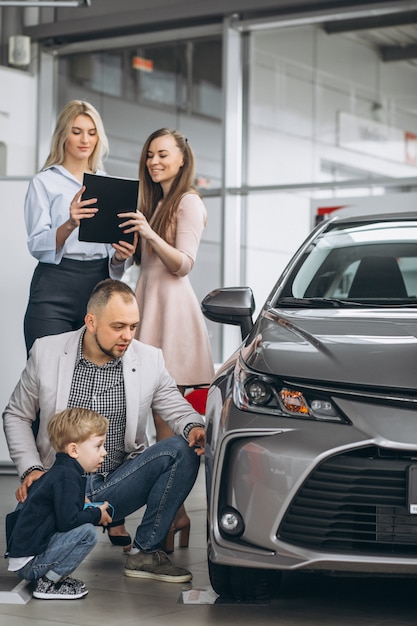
125	249
22	492
197	439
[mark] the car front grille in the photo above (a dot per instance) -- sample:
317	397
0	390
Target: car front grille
355	502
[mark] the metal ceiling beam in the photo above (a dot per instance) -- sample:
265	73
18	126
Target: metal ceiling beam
403	18
44	3
398	53
183	13
322	14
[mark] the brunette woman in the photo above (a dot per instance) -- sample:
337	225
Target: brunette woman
170	222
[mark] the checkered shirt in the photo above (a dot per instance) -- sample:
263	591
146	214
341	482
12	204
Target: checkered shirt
102	389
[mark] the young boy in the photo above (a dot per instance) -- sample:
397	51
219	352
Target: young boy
53	531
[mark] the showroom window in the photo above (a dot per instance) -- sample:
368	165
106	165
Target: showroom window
101	72
183	76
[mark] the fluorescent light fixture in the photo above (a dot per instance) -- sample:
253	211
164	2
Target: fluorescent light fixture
45	3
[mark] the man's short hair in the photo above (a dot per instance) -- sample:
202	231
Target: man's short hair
75	425
104	290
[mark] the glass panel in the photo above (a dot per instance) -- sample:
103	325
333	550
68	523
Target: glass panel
207	78
162	80
184	76
207	271
176	85
100	71
323	108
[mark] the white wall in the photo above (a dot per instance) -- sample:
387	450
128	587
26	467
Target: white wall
18	133
18	101
16	271
276	225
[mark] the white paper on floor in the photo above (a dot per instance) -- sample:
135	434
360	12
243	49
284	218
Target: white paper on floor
199	596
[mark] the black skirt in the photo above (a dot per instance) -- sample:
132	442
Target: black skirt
58	296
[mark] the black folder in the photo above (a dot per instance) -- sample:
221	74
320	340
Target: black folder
114	195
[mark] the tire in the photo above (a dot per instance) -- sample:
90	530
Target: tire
243	584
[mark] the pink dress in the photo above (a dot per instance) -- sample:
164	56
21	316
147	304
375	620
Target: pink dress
170	314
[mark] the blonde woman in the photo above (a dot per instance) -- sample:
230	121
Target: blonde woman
170	223
67	269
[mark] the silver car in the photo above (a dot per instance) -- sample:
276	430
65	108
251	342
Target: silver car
311	458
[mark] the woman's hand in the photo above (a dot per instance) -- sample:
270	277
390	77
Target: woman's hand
124	249
81	209
136	223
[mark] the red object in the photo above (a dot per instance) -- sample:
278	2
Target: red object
198	399
144	65
324	210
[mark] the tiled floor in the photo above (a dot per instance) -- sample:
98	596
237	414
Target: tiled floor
114	600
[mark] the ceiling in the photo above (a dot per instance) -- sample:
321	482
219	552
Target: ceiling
395	35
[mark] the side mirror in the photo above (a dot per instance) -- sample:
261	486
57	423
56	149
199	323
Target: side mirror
230	305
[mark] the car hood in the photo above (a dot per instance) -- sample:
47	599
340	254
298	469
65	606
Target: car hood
359	347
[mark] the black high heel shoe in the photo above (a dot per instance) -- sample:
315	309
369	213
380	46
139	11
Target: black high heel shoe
124	541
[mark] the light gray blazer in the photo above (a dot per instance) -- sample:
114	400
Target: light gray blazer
45	384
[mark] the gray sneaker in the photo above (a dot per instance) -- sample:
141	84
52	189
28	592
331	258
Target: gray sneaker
155	565
66	589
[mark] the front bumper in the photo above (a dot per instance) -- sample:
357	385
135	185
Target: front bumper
314	495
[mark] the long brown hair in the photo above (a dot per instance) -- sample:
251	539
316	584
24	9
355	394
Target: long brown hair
150	193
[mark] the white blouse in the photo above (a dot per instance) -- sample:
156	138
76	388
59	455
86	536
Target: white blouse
47	206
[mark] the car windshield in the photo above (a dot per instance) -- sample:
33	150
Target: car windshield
356	264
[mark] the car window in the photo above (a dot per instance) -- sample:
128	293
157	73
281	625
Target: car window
358	262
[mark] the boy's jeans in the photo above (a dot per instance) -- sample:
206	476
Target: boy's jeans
160	477
63	555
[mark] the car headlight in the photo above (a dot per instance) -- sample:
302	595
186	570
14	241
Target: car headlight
267	394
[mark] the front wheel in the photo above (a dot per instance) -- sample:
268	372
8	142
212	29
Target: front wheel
243	584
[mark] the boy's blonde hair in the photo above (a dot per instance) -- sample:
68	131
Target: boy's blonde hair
75	426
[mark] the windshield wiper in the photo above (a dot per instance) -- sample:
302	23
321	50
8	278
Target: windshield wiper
320	303
325	303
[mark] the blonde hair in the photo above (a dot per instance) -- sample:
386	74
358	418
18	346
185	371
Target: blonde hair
150	193
75	426
62	131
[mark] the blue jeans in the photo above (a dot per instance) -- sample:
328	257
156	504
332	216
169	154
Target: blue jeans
63	555
160	477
